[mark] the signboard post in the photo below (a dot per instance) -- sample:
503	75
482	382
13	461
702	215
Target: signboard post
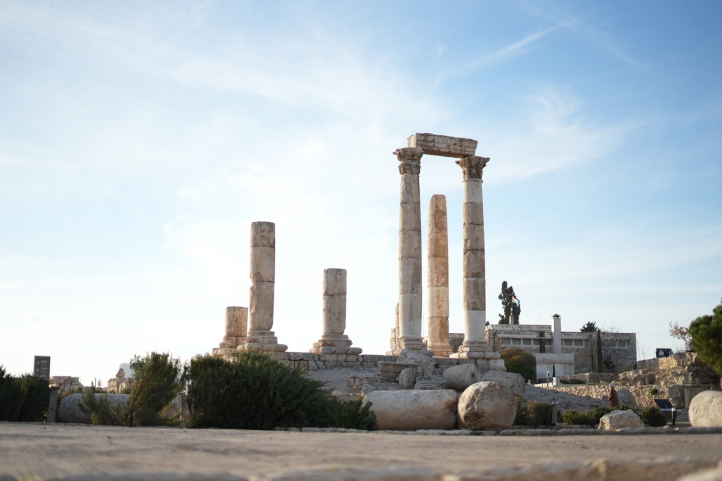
42	367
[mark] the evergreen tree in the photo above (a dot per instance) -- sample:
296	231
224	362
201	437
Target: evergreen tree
599	351
510	303
590	327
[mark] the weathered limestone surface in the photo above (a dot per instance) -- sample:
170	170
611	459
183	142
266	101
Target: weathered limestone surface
460	377
474	268
620	420
425	363
263	277
487	405
705	409
333	339
410	289
412	410
438	278
512	381
443	145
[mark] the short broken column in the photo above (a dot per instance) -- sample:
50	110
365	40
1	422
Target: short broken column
475	345
333	340
236	326
438	278
263	277
410	287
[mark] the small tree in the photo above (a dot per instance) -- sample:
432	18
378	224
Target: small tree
706	332
519	361
598	359
511	305
589	327
681	333
159	378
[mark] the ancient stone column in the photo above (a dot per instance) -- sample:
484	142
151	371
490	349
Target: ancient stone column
333	340
263	277
474	267
438	278
410	251
236	326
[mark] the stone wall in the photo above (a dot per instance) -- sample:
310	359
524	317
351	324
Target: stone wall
641	393
680	368
331	361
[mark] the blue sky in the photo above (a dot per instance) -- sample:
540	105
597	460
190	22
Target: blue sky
138	142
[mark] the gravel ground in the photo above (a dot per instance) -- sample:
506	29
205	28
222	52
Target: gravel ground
62	450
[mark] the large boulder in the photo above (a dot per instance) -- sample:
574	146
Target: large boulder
412	410
425	363
70	411
512	381
407	377
626	397
620	420
487	405
705	409
462	376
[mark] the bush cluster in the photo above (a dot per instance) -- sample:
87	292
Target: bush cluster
653	417
572	381
254	391
519	361
23	398
159	378
589	418
533	413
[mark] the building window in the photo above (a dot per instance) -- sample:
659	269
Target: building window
548	342
516	342
527	342
567	342
622	344
505	340
536	342
579	342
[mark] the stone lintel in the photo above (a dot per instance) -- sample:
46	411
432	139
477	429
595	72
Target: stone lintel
443	145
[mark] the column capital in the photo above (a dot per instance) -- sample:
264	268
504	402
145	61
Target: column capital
472	166
410	159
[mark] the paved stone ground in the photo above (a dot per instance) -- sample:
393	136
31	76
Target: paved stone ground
64	450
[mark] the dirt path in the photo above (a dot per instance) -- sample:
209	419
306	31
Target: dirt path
61	450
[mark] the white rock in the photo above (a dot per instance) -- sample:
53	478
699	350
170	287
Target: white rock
412	410
626	397
462	376
425	363
620	420
407	377
514	382
487	405
714	474
705	409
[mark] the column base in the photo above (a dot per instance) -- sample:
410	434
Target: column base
262	340
334	344
441	349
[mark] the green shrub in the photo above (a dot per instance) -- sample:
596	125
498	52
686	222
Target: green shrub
653	391
353	415
572	381
23	398
533	413
519	361
254	391
589	418
653	417
159	378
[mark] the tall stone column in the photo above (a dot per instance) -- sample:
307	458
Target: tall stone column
410	251
438	278
333	340
263	277
475	345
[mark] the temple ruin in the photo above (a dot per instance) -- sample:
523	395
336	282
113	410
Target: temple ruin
251	328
